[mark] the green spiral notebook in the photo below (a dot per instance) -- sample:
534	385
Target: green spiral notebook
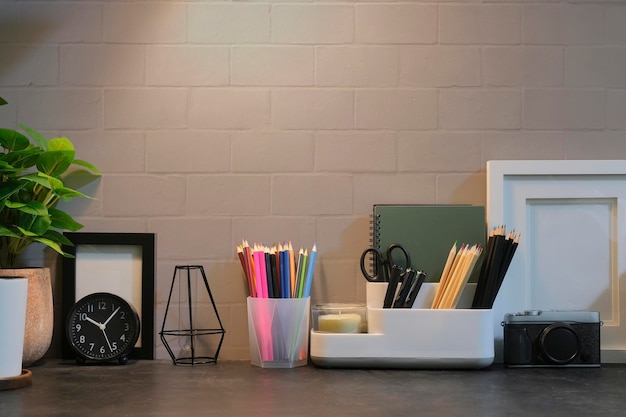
428	232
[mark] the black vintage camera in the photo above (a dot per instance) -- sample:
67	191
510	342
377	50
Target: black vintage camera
556	338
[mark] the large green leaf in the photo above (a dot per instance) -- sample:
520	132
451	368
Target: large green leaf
21	159
62	220
3	101
57	237
4	231
7	170
34	208
39	139
43	180
9	188
87	165
68	193
33	226
51	244
55	163
60	144
13	140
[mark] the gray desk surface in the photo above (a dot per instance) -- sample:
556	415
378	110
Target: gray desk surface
158	388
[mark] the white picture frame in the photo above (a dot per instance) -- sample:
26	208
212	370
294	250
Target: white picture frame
572	254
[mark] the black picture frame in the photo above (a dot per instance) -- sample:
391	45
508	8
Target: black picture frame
130	244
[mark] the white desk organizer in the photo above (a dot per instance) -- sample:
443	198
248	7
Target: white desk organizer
411	338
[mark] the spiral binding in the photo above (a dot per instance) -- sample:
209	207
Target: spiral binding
374	229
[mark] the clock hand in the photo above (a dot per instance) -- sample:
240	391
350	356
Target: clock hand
90	320
110	317
107	339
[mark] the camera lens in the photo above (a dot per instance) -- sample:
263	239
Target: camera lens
559	343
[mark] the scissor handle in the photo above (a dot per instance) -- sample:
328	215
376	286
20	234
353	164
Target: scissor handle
407	256
378	264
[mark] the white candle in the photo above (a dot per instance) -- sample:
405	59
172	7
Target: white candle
339	323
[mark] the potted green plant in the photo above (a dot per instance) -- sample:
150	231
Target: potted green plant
32	173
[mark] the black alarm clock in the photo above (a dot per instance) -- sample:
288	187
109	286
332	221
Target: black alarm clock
102	327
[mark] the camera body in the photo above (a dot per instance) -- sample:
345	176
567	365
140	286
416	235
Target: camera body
553	338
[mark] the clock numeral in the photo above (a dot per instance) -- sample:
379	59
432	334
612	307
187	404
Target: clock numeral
82	339
91	346
114	345
102	305
89	308
126	327
123	338
82	316
78	327
102	350
123	315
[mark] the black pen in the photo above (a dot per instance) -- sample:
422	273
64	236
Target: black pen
394	277
415	288
407	284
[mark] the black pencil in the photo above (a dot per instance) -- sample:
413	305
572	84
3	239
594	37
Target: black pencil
275	279
485	269
268	274
511	245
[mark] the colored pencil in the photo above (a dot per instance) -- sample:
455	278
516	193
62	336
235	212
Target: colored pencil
276	272
292	271
309	272
302	276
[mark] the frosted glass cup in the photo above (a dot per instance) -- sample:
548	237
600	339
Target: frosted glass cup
279	331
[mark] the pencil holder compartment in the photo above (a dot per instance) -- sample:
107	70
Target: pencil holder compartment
419	337
278	329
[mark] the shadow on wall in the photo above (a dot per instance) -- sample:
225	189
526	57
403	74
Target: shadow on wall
466	189
335	279
12	32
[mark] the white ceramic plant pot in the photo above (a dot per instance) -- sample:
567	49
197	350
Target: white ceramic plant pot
39	311
13	292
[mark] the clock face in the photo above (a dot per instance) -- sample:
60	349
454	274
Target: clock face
102	326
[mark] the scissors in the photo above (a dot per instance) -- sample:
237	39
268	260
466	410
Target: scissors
383	266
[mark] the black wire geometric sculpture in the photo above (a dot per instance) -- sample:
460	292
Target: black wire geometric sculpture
199	345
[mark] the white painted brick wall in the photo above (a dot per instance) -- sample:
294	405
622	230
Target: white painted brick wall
145	23
286	120
393	23
313	109
522	66
255	152
404	109
58	108
62	22
273	65
28	72
167	151
98	147
564	109
141	108
102	65
587	66
480	109
358	66
479	24
440	66
228	23
312	23
563	24
187	65
228	108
